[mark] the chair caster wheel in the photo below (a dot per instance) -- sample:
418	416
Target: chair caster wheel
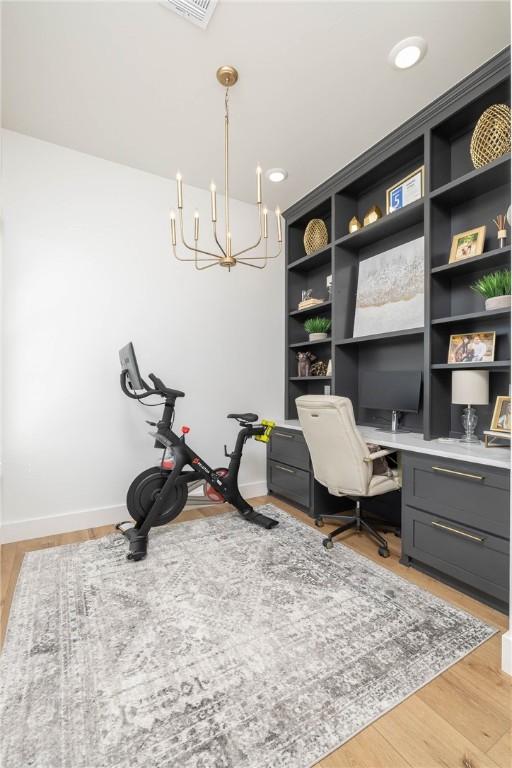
383	551
319	522
135	558
327	543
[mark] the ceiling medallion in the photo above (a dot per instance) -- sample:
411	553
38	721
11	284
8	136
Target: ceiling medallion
226	255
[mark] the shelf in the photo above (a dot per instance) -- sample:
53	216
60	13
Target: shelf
310	310
382	336
486	260
496	364
307	343
483	315
474	183
388	225
310	378
316	259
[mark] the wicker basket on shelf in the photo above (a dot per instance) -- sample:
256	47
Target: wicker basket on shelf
491	137
315	236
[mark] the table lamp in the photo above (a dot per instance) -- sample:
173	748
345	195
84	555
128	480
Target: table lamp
470	388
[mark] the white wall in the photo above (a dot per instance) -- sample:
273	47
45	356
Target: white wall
87	268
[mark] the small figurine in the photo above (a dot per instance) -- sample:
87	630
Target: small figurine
354	224
372	214
500	222
304	363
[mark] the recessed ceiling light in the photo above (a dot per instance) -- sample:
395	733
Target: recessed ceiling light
407	52
276	174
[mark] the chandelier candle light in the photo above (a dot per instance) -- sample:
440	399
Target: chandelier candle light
227	77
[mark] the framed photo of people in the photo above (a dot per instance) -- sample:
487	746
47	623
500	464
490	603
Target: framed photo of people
465	245
472	347
502	419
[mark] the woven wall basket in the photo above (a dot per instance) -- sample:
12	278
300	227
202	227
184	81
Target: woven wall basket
491	137
315	236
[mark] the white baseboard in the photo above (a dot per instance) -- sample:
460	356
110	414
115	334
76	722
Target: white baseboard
36	527
506	652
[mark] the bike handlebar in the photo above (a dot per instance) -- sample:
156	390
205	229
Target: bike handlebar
160	388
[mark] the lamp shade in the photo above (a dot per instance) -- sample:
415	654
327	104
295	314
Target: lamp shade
470	387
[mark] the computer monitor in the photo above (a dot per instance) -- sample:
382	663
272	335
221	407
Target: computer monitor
129	364
395	391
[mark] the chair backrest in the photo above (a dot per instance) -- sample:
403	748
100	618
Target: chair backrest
336	447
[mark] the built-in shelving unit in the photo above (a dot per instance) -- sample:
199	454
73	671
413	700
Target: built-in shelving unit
382	336
457	197
498	257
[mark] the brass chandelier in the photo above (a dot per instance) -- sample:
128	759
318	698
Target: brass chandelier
226	255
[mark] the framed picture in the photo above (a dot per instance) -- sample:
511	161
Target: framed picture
467	244
472	347
390	290
406	191
501	418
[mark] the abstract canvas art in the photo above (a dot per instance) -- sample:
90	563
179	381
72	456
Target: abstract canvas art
390	290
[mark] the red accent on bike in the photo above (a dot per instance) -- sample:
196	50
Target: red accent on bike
185	430
212	493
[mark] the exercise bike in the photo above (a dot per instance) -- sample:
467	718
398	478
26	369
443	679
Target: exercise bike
159	494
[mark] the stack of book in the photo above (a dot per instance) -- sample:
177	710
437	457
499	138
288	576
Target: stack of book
307	303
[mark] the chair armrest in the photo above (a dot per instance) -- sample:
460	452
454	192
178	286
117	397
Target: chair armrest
378	454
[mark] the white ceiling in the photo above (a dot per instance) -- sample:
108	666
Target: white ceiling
134	83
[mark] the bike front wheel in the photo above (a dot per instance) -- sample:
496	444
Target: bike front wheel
144	491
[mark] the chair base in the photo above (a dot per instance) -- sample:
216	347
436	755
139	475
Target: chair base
358	523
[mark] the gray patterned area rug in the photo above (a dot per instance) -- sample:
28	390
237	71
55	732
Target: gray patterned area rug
228	647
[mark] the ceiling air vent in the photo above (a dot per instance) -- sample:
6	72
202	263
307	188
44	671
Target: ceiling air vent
199	12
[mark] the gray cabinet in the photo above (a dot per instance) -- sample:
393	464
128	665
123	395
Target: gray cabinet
455	522
290	475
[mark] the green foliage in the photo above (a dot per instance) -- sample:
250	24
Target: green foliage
493	284
317	325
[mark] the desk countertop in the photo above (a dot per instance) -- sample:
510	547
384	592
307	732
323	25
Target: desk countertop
414	442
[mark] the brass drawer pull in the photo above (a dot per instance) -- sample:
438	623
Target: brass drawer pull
283	434
285	469
456	530
460	474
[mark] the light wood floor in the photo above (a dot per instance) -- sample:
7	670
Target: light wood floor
462	718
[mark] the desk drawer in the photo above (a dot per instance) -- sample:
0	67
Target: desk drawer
471	494
289	447
477	559
290	482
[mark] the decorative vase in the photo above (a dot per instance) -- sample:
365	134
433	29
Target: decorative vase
317	336
315	236
498	302
491	137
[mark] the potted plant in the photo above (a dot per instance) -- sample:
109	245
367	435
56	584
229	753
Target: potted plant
495	288
317	327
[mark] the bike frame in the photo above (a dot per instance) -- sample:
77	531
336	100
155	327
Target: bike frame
184	455
200	471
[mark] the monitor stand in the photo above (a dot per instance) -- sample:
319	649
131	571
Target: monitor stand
395	424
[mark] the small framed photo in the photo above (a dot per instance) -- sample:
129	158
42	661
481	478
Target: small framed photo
472	347
501	418
406	191
467	244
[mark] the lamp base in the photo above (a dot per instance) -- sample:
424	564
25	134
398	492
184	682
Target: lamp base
471	439
469	422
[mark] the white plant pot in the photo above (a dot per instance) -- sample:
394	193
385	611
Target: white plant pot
317	336
498	302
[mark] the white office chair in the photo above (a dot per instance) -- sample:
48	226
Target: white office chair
342	461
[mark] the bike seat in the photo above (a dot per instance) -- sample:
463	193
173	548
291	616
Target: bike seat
243	416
